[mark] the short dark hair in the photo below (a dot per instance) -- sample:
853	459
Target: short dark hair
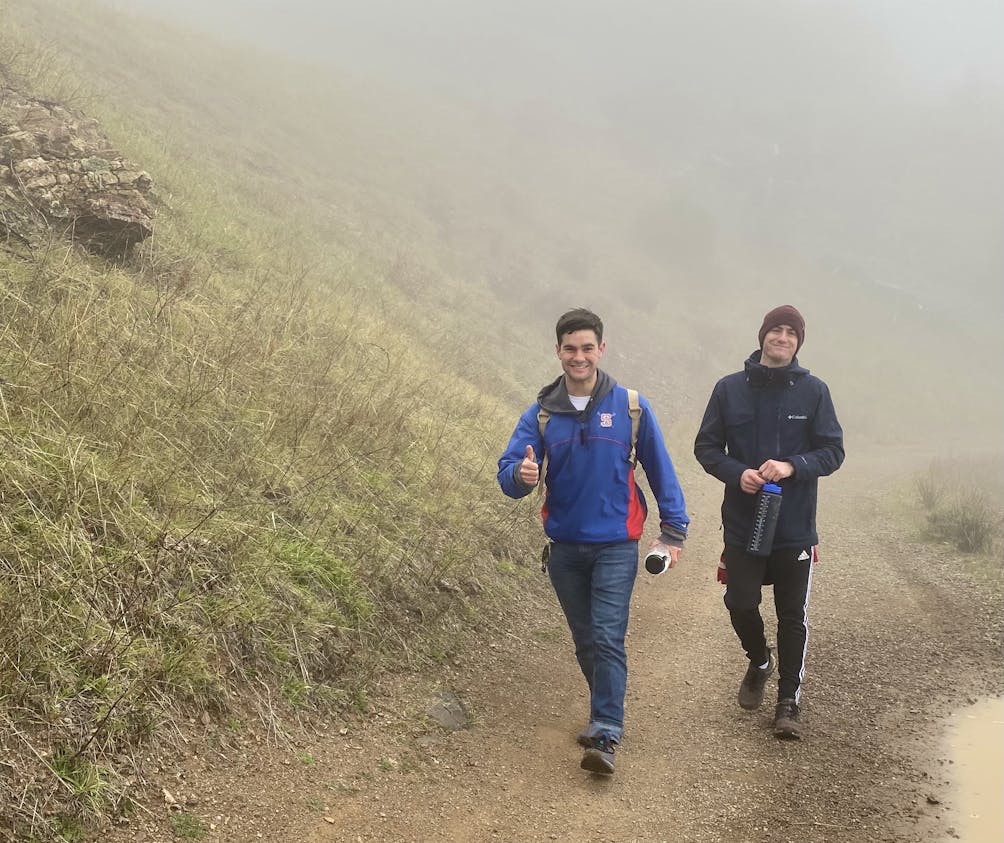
579	319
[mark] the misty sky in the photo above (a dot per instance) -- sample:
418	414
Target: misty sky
677	163
863	135
504	44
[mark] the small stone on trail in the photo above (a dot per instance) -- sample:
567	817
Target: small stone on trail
449	712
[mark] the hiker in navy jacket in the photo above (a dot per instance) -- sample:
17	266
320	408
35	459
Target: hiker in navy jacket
593	512
771	423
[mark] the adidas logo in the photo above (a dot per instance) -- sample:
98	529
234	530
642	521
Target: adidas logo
803	556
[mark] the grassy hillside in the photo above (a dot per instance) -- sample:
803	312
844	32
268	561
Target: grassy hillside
496	224
253	465
243	472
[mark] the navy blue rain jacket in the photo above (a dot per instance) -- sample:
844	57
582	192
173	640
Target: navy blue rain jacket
765	413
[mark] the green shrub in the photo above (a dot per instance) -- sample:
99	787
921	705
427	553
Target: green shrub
964	502
187	826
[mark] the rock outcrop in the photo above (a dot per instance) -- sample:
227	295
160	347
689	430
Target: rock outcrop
60	176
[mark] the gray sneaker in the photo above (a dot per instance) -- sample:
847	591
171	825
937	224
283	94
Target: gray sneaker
752	687
583	739
787	725
599	756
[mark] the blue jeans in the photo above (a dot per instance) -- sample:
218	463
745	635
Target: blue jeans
594	583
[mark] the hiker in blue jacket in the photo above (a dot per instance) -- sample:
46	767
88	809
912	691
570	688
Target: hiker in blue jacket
593	513
773	422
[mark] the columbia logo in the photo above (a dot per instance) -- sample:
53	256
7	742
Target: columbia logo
803	418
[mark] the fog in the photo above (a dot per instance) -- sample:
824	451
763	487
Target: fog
684	166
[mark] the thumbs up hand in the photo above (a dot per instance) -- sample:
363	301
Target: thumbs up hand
529	472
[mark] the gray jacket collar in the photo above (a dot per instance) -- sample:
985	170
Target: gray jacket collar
553	397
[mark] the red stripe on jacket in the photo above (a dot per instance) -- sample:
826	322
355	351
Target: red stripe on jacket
636	512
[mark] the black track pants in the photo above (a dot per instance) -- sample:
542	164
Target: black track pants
790	572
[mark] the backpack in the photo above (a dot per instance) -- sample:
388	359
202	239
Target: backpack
634	410
544	416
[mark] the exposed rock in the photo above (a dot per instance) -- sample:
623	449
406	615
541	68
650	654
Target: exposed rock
449	712
59	174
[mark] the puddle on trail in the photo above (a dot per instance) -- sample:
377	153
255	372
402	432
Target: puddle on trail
976	746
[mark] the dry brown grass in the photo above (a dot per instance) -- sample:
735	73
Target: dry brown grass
238	479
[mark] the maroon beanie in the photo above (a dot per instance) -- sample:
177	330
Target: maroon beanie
784	315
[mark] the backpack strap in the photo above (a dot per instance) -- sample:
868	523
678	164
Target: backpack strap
543	417
634	410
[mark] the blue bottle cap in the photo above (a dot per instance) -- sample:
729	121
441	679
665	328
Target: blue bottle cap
771	489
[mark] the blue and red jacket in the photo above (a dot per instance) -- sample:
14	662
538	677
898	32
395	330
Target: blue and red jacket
590	496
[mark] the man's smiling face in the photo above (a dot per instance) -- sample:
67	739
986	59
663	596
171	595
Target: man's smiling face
579	353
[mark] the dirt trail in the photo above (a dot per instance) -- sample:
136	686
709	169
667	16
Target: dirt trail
899	638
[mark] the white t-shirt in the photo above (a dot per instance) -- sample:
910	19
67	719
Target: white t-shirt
579	401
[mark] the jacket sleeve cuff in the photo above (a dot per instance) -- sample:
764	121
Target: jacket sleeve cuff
794	463
519	480
672	536
736	478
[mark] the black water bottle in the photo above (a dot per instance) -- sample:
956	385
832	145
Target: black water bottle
765	514
657	561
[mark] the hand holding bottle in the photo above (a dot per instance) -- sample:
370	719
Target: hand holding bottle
661	557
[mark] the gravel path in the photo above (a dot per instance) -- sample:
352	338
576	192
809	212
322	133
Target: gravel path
901	636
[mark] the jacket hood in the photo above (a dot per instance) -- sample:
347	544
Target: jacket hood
759	375
553	397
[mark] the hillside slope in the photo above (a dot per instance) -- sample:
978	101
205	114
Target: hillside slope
241	481
249	466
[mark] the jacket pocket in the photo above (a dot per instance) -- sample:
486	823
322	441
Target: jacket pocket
740	434
793	435
739	423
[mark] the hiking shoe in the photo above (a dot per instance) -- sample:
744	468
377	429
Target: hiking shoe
752	687
786	721
583	739
599	756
